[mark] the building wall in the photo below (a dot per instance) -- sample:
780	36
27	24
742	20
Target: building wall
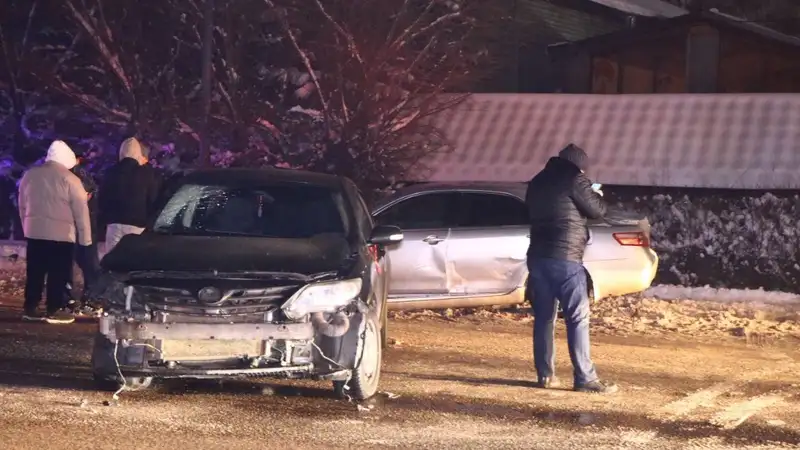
656	66
736	63
747	65
519	62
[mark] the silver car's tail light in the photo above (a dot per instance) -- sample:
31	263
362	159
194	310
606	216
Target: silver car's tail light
632	239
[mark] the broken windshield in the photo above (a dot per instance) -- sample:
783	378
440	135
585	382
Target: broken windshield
287	210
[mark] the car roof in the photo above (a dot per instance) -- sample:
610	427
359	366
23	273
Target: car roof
509	187
240	175
516	189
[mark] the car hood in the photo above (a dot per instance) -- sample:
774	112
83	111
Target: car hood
158	252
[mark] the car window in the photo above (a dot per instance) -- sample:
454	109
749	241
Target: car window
421	212
363	217
491	210
288	210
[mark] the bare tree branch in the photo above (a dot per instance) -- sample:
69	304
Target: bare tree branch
434	24
94	31
351	44
26	34
302	55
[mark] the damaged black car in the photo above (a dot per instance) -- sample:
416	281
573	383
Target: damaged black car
248	273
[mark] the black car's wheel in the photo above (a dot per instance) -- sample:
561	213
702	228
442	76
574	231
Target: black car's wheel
363	383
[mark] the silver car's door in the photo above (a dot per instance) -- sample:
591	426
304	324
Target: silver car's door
487	248
418	261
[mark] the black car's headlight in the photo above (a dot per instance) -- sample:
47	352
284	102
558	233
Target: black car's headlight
322	297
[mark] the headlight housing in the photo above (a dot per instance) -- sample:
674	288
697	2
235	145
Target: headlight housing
321	297
110	291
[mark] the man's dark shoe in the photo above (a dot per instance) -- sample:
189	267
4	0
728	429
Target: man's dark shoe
597	387
74	306
59	317
548	382
33	316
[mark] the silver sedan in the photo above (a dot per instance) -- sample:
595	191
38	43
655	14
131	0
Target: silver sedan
465	244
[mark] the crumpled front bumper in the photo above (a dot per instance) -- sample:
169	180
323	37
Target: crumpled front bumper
201	331
322	348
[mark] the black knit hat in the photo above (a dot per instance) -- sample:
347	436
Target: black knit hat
575	155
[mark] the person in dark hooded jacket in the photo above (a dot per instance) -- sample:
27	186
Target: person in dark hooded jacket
560	200
87	257
128	193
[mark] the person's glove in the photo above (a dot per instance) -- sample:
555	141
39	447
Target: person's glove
597	188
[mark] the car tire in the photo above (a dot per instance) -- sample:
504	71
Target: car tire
384	326
366	375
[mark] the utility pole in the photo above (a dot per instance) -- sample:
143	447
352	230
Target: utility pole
208	42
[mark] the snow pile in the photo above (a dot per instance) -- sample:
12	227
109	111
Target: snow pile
756	315
724	239
645	315
706	293
632	315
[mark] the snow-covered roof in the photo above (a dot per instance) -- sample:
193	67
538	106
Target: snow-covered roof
627	36
753	27
647	8
746	141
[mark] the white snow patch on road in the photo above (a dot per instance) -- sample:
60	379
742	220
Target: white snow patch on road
722	295
738	413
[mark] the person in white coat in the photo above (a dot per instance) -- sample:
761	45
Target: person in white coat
53	206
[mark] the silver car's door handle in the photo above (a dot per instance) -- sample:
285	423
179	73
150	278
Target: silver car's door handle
432	239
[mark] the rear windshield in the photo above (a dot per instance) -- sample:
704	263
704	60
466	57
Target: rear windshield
289	210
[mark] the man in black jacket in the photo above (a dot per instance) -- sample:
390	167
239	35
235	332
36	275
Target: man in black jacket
86	256
560	199
128	193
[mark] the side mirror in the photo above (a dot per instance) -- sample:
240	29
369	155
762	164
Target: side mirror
385	235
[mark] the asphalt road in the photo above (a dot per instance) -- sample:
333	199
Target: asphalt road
447	384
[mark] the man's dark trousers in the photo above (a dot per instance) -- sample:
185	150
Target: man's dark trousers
89	262
51	260
552	281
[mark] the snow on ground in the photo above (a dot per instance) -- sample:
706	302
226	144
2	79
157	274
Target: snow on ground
754	314
706	293
758	316
698	312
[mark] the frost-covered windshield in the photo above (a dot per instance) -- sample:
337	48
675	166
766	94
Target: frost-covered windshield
288	210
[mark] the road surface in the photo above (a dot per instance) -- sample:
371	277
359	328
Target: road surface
448	383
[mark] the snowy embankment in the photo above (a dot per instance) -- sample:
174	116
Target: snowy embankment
720	238
756	315
722	295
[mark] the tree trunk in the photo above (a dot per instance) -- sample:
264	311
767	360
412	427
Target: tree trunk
208	42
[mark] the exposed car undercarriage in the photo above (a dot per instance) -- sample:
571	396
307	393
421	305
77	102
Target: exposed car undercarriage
150	330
